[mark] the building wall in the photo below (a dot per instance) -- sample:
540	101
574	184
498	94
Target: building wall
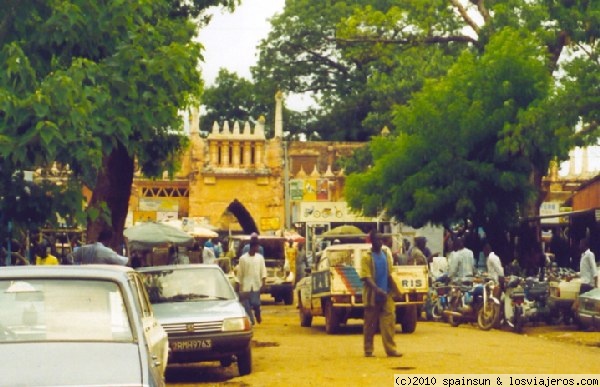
588	196
237	164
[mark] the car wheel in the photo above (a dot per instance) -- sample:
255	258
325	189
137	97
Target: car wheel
244	362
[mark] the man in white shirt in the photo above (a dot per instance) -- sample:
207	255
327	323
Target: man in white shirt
462	263
588	272
439	266
494	265
251	274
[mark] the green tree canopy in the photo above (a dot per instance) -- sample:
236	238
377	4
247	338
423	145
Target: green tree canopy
232	98
302	55
476	142
97	87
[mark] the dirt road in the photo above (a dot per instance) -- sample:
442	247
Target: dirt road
286	354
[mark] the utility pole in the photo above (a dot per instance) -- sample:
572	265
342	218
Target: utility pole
286	183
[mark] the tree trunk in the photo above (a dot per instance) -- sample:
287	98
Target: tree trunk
530	231
113	188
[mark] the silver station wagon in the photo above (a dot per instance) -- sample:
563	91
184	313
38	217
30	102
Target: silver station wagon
200	311
78	326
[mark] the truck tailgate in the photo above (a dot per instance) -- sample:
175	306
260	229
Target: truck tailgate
411	279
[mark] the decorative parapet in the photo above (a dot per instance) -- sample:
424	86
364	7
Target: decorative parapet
224	133
237	151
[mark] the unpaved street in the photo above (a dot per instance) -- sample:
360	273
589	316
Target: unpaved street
286	354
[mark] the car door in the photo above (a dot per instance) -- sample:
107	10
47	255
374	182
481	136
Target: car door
155	335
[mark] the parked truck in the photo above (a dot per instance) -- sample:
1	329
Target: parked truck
279	282
334	289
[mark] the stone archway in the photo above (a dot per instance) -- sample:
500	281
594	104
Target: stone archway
243	216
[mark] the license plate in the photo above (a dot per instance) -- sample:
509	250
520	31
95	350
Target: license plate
191	345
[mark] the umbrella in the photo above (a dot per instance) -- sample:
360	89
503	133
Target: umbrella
178	224
293	235
344	230
202	232
151	234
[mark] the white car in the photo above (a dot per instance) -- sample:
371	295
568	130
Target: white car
78	326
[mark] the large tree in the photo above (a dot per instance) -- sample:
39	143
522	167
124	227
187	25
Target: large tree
97	86
302	54
233	98
476	143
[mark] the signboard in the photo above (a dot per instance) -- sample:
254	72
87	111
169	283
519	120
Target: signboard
310	190
143	216
322	189
549	208
159	204
189	222
269	223
329	212
296	189
163	216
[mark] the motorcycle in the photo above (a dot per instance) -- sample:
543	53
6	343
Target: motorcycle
475	300
464	301
489	315
526	301
440	297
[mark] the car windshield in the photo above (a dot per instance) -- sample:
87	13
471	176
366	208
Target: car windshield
187	284
62	310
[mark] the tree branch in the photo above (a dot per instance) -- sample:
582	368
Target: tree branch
482	9
464	14
414	40
322	58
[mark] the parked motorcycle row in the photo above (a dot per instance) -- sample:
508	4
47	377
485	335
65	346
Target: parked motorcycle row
514	303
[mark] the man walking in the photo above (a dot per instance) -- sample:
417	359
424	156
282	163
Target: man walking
251	274
588	271
378	287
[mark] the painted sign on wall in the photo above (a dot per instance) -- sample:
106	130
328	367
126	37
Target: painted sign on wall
328	212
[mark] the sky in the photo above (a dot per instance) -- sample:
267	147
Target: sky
230	41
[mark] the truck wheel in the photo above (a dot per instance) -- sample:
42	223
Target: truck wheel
305	315
409	319
332	320
288	297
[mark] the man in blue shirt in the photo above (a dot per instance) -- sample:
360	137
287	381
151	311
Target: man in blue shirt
378	287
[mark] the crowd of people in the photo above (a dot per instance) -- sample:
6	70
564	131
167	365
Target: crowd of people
96	252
